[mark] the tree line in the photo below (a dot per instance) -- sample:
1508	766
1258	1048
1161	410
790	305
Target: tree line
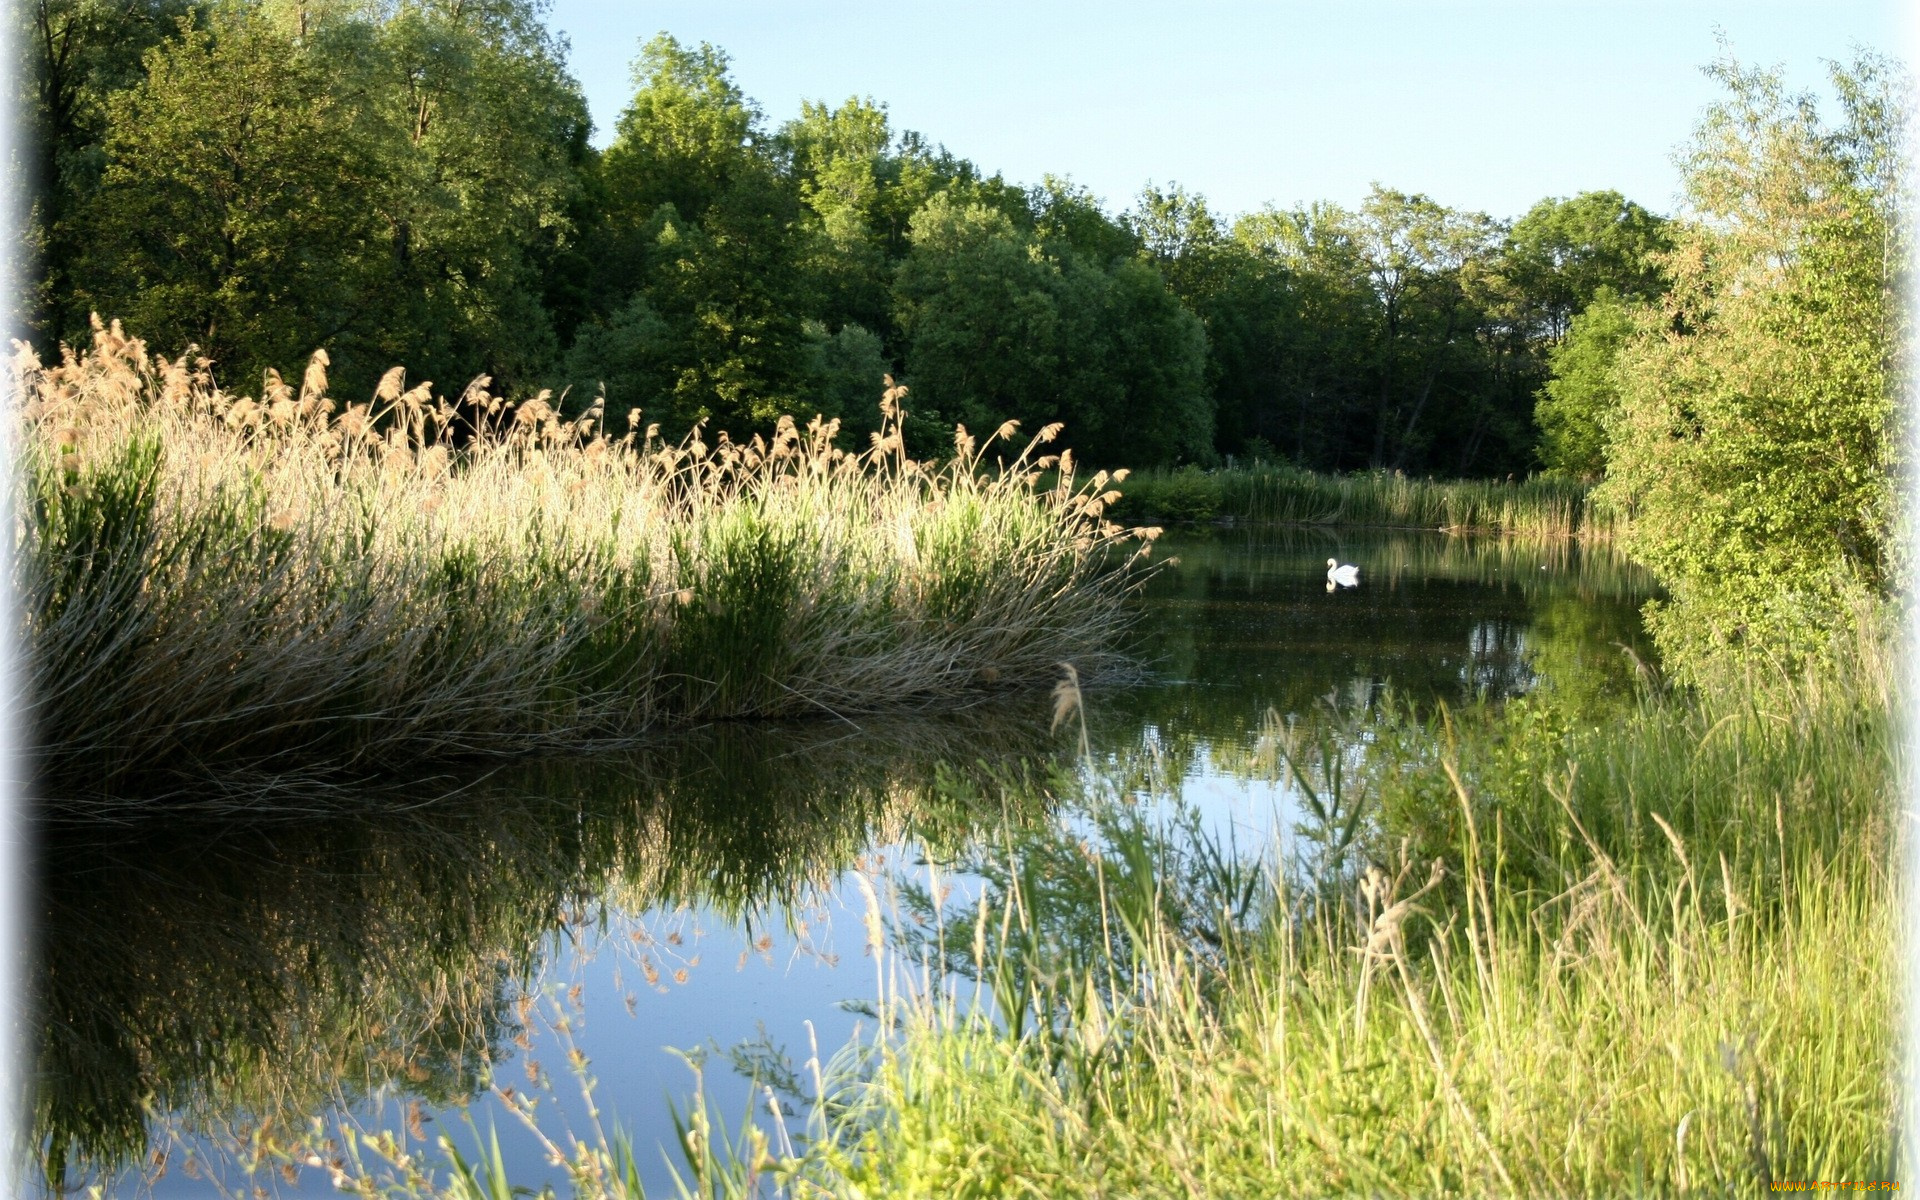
412	181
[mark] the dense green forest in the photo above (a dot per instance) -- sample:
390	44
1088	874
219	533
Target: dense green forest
413	181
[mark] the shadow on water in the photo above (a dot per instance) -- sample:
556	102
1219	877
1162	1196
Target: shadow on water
207	975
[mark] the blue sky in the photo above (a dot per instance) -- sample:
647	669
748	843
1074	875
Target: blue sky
1482	105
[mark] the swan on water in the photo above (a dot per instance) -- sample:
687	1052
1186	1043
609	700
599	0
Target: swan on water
1345	576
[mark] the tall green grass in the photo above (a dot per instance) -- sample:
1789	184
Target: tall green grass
283	587
1536	507
1655	958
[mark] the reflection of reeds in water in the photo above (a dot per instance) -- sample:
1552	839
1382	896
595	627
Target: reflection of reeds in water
217	584
217	975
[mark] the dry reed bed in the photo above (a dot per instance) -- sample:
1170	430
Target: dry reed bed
285	586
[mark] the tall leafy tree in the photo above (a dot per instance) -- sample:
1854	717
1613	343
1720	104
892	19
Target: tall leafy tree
685	136
981	317
702	223
1416	252
233	211
1755	438
1001	327
1146	372
843	164
74	57
488	135
1579	404
1564	251
390	182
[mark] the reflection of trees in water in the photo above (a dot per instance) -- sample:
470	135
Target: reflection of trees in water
1254	654
1391	558
1498	660
234	971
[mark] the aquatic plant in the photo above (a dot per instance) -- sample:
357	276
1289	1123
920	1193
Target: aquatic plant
265	590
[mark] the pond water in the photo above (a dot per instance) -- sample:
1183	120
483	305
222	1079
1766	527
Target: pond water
711	891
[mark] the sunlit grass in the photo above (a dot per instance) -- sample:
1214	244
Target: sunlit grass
283	585
1668	970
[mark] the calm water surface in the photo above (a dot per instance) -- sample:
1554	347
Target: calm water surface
705	896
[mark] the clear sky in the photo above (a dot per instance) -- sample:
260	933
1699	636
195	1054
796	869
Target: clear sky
1487	105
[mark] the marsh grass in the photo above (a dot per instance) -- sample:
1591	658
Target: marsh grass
1537	507
285	588
1657	959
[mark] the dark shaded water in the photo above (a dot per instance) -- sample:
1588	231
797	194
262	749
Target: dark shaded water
385	969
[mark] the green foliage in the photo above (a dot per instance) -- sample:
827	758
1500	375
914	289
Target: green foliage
1402	334
1755	443
1577	406
858	197
1003	326
1146	364
1188	494
74	56
1594	960
391	187
685	136
982	316
1537	507
846	367
1565	252
234	204
626	357
699	226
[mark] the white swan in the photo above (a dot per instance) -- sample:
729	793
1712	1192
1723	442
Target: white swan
1347	576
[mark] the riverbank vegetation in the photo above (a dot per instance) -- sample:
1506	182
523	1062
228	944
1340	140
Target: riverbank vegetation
1751	419
1528	984
1548	941
1520	950
277	588
1538	507
1573	954
1540	947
